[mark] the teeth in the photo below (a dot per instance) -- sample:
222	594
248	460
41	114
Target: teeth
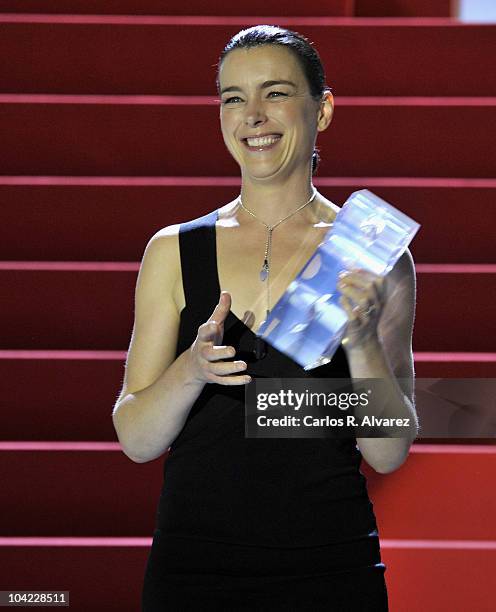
262	142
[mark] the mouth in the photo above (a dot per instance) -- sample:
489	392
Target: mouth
261	143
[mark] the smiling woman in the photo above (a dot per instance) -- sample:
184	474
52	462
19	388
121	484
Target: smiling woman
296	90
258	523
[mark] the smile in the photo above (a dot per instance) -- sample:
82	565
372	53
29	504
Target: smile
262	142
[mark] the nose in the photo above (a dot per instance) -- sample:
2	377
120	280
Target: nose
254	113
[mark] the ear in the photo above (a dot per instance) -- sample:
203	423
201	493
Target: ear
326	111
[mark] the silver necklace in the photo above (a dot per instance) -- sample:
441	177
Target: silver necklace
265	270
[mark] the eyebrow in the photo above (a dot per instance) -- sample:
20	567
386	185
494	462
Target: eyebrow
264	85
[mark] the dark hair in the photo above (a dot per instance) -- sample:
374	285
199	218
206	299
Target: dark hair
303	49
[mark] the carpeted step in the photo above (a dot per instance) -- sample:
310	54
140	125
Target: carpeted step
68	218
100	573
88	570
103	493
177	55
177	7
366	138
76	390
434	577
404	8
90	306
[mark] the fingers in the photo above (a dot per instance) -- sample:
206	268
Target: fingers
214	370
352	312
213	329
217	370
216	353
211	362
222	309
225	372
361	286
207	332
362	278
229	380
358	296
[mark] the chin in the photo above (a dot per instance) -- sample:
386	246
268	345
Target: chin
261	175
261	170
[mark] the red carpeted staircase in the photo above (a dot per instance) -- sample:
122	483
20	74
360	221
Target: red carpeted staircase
108	120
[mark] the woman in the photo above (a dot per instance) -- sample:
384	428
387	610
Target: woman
244	523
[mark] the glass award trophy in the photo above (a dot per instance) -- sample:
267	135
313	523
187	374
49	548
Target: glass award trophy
308	322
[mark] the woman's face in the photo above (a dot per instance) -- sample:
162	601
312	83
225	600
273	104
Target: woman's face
268	117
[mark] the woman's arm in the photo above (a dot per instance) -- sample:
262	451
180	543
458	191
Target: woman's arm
159	390
388	355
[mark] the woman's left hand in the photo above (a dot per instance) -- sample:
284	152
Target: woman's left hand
363	300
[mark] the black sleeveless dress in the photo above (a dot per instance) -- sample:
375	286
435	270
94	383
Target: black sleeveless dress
256	523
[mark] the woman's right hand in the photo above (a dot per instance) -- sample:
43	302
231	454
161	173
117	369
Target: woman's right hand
206	352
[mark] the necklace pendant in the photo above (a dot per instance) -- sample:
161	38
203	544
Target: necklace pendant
264	272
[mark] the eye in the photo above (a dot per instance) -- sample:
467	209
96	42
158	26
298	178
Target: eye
276	93
231	100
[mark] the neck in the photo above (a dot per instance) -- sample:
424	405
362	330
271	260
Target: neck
272	202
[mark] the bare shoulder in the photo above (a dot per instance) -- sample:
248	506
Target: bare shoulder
402	276
326	210
400	299
330	207
405	264
161	258
156	319
165	239
227	213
